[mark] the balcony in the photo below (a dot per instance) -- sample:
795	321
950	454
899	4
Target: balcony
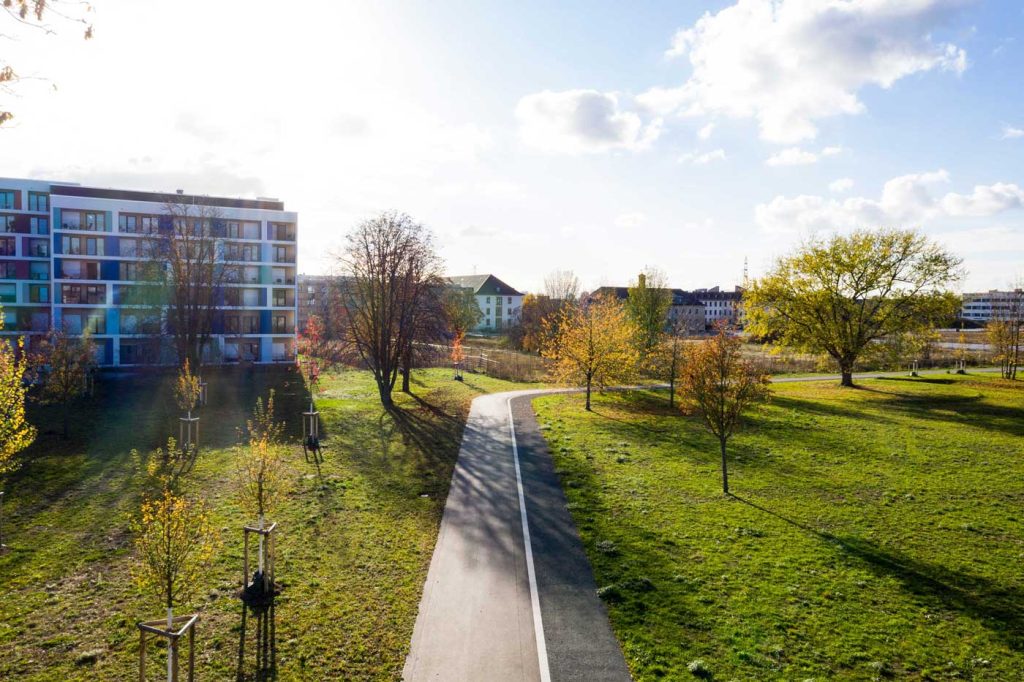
282	232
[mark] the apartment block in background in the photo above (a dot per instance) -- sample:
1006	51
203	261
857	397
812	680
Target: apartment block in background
981	307
73	257
500	305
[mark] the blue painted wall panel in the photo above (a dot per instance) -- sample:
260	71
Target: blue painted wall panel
264	322
109	270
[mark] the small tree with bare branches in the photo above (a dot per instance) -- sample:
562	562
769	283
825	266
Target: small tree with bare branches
720	384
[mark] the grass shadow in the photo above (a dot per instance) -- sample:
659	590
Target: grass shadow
997	607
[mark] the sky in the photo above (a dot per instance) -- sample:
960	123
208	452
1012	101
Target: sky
598	137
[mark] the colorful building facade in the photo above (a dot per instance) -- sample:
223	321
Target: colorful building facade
77	258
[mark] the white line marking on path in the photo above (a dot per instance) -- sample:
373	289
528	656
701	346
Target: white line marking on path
538	624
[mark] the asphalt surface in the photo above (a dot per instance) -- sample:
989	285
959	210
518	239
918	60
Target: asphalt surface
493	610
477	614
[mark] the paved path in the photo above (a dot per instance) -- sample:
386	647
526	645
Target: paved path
510	594
500	603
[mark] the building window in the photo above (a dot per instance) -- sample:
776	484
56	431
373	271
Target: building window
280	324
129	271
141	224
39	225
7	270
7	246
38	201
39	271
8	293
83	293
39	293
6	223
6	198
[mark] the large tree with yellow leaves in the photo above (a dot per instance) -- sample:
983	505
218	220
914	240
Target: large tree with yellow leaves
841	294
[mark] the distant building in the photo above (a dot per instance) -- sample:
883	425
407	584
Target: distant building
314	297
720	305
685	309
992	305
500	304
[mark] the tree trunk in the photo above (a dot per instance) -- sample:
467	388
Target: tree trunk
588	395
725	469
385	394
406	362
672	392
846	371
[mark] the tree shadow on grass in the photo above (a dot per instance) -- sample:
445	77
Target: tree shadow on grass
263	650
1000	608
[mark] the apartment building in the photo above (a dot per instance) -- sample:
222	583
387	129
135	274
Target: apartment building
500	304
76	258
720	305
685	309
981	307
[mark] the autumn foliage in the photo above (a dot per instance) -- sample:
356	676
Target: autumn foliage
720	384
594	345
175	542
16	433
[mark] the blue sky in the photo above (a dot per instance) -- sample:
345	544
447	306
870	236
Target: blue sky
597	137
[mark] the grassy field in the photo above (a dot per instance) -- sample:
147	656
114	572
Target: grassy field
354	547
874	533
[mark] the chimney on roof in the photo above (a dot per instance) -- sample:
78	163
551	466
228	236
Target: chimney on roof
181	191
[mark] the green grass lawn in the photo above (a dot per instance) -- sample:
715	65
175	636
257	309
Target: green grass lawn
355	538
875	533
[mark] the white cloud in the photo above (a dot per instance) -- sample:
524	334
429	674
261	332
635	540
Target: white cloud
795	156
582	121
905	201
1011	133
703	159
790	63
705	132
984	200
630	220
840	185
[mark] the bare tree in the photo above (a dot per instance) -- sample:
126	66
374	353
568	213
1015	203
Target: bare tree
394	270
195	273
562	286
429	325
33	15
720	384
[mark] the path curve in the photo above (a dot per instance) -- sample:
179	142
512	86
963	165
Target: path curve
510	595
